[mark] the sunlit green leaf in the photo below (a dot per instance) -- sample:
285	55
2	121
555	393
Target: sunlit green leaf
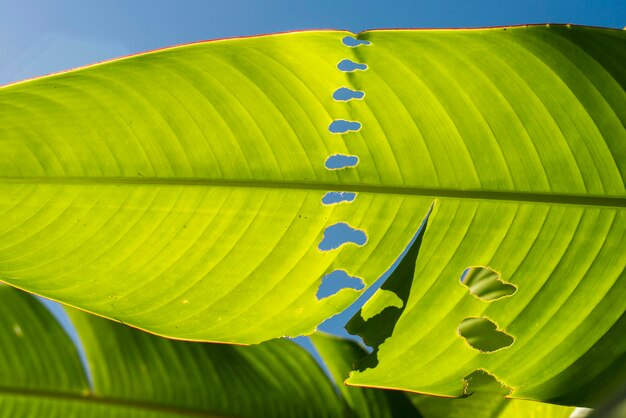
134	374
526	126
487	400
340	356
181	191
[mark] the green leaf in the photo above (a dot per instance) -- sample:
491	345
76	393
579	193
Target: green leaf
486	396
530	125
567	317
340	356
135	374
538	114
613	407
486	400
180	191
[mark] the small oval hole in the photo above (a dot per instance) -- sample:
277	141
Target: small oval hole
337	280
344	94
483	335
352	42
348	66
340	234
333	198
342	126
486	284
341	161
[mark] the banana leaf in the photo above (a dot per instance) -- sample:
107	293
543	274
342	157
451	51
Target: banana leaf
183	191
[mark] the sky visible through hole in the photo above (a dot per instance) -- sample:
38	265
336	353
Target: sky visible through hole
41	37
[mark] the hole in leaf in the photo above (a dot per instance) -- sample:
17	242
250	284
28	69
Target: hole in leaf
481	383
485	283
341	126
352	42
347	66
341	161
344	94
483	334
483	392
339	234
335	281
332	198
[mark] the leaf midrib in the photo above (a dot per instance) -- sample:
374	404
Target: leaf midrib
513	196
103	400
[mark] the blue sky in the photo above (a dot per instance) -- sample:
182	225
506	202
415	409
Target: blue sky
39	37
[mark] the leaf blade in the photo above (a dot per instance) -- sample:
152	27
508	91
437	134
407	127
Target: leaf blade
138	374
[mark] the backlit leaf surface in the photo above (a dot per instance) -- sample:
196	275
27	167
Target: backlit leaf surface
537	116
132	374
180	191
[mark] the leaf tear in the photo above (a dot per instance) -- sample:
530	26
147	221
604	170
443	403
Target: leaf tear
374	329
